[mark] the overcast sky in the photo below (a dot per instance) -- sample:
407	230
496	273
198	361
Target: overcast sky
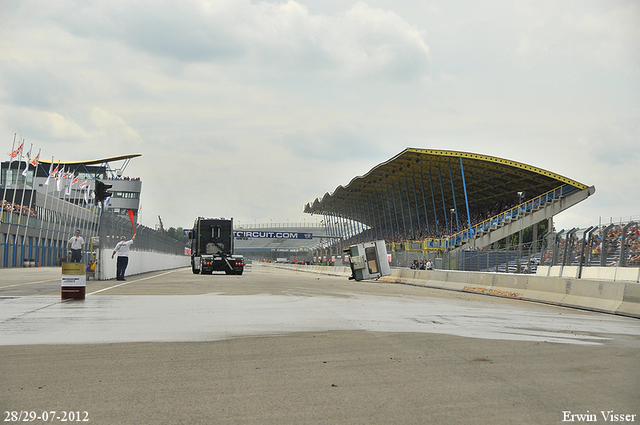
251	109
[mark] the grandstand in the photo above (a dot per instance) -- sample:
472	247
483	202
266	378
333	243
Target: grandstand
43	206
442	201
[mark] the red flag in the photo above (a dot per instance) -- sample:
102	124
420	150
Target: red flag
34	161
17	151
131	218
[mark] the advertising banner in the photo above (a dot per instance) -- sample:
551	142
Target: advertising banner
270	235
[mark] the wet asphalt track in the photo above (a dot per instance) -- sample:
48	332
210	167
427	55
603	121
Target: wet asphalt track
169	345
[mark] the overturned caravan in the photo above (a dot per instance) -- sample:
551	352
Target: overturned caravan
368	260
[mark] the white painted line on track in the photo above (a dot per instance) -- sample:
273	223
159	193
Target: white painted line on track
29	283
128	282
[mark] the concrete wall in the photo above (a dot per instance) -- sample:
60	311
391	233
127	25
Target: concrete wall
625	274
608	296
140	262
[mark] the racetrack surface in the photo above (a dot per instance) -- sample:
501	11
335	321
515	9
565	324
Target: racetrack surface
276	346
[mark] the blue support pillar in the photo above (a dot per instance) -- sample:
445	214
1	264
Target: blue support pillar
412	236
337	230
359	214
383	219
433	200
344	228
327	222
372	221
365	219
352	227
415	197
466	199
424	202
404	225
356	222
344	225
390	216
359	226
453	193
444	205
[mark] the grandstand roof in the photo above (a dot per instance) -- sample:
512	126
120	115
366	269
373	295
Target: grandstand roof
94	161
439	173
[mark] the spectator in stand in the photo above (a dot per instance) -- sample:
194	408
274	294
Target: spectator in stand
429	265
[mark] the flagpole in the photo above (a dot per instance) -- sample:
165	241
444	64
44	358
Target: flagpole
58	207
68	221
3	213
87	214
13	201
6	183
44	206
66	217
82	220
76	219
33	184
31	199
24	188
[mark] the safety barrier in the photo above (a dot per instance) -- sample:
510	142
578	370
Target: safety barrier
614	297
141	262
616	274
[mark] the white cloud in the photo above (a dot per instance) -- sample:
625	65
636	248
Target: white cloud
283	37
599	33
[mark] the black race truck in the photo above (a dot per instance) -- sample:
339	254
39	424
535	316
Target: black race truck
212	247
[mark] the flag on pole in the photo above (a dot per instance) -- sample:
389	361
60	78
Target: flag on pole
59	180
51	173
36	160
130	212
17	151
27	159
84	186
71	183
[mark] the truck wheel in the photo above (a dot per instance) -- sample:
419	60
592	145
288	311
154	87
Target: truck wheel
194	270
239	272
229	272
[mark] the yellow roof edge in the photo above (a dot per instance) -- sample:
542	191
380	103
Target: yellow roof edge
497	160
94	161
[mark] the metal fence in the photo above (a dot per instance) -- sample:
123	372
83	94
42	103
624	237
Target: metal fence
509	259
610	245
113	227
39	236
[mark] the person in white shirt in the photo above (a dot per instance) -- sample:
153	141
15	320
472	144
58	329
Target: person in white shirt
76	247
122	249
